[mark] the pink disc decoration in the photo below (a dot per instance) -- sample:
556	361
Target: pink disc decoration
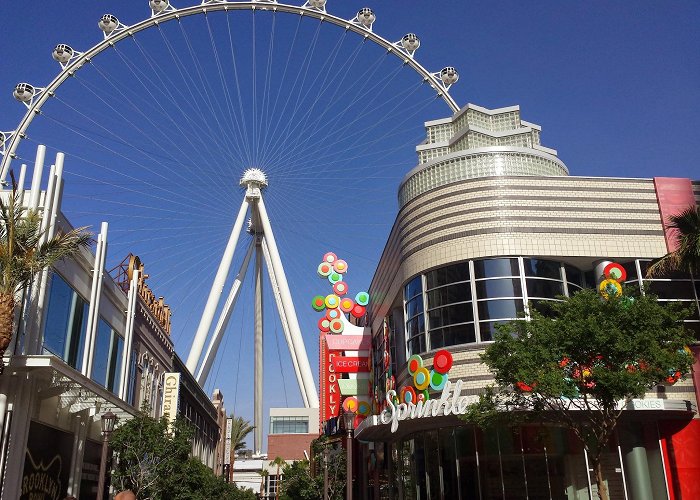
442	362
358	311
350	404
340	266
332	314
346	304
330	257
340	288
324	325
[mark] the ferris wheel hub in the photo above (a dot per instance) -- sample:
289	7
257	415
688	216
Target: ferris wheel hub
254	177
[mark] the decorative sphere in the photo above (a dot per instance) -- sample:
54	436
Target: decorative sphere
62	53
23	92
158	5
108	23
410	42
366	17
317	4
449	75
254	176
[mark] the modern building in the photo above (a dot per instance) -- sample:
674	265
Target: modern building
86	343
490	224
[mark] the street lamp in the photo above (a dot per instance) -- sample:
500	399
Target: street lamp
107	422
349	422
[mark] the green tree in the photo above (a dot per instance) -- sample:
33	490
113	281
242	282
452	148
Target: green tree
25	250
580	366
302	482
686	257
263	474
279	462
153	461
240	428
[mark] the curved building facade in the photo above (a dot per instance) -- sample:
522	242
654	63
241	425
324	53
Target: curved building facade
490	224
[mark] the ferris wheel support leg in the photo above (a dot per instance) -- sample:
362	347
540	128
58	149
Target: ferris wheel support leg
258	396
288	306
215	292
283	320
224	318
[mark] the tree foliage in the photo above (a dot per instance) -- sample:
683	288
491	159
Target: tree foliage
581	365
153	460
303	483
686	257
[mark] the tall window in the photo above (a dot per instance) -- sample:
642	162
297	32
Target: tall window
108	356
66	323
450	310
415	319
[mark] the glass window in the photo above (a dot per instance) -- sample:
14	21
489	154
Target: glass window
103	347
460	292
66	322
499	309
495	268
414	306
543	306
412	288
289	425
488	289
447	275
415	326
544	288
487	329
452	335
115	362
450	315
574	276
671	289
542	268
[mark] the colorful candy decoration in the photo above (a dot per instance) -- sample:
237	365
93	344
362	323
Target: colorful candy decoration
414	362
442	362
421	379
362	298
437	380
346	304
318	303
337	326
350	404
358	311
610	288
332	301
324	325
324	269
334	278
340	266
363	408
330	257
613	273
340	288
408	395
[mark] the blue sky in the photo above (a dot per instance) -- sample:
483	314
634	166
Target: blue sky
614	86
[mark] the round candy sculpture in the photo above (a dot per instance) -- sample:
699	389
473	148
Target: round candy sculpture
421	379
442	362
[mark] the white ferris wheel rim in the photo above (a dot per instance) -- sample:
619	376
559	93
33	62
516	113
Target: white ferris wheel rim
41	95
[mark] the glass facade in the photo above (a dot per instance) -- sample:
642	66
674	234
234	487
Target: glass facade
289	425
66	323
108	356
464	302
529	462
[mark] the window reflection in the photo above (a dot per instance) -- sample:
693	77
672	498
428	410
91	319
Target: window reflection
498	288
496	268
66	323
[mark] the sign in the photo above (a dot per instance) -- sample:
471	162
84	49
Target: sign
349	342
227	446
330	392
346	364
354	386
171	396
449	403
47	463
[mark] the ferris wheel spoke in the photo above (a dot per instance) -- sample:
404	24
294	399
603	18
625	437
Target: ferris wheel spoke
266	90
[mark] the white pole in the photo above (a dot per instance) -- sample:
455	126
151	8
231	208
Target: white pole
216	291
20	182
224	318
57	194
96	293
288	306
258	344
128	334
36	176
283	320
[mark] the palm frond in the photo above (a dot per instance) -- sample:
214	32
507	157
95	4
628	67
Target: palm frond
686	257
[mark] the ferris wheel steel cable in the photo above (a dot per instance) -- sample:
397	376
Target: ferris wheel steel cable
78	59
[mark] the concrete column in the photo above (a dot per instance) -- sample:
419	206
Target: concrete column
80	429
258	416
636	464
22	407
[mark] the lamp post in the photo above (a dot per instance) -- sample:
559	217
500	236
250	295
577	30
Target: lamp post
325	472
107	423
349	422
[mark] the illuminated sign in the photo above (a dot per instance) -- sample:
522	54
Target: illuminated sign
346	364
330	392
171	395
349	342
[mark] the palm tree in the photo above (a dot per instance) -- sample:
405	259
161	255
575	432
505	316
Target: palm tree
686	257
240	428
279	462
23	254
263	474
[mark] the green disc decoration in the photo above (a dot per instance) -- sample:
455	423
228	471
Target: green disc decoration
318	303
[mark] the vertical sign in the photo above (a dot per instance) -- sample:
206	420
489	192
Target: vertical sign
330	393
171	396
227	447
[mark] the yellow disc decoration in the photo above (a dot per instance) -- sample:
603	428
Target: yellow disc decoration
610	288
332	301
421	378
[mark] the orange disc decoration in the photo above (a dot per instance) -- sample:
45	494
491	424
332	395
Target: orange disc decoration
414	362
324	269
324	325
350	404
337	326
318	303
340	288
421	379
615	271
358	311
408	395
332	314
340	266
346	304
330	257
442	362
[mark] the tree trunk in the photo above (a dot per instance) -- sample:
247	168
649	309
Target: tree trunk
279	483
7	316
599	481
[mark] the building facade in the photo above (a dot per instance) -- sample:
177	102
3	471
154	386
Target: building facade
86	342
490	224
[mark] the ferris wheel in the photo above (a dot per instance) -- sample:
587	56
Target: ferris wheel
161	118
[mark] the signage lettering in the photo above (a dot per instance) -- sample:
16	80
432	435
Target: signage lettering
348	342
171	396
345	364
